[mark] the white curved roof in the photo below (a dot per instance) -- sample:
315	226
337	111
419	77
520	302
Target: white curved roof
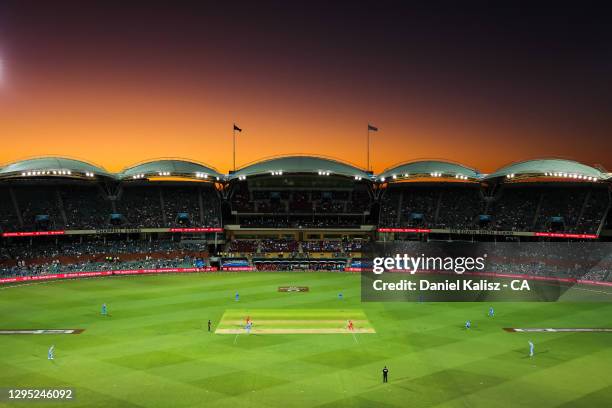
542	167
427	168
170	167
50	164
300	164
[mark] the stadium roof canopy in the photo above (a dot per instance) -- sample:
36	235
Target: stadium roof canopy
429	169
300	165
170	168
555	168
53	167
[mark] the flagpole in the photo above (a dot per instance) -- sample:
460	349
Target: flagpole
368	147
234	138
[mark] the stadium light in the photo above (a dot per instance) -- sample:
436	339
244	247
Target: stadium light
395	177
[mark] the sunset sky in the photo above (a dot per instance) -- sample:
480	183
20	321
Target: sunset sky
117	85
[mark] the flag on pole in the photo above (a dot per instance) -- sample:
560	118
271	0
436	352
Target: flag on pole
237	128
372	128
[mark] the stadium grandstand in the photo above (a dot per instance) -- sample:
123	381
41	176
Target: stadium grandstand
293	212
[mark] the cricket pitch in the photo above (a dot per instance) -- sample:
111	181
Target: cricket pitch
294	321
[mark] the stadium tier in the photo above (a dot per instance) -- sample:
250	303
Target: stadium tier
54	196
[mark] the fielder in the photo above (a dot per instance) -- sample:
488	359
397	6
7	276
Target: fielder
531	348
51	353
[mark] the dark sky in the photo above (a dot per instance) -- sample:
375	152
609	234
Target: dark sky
118	84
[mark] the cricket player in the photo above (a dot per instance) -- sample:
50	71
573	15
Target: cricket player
340	296
209	323
350	325
51	353
468	324
248	319
385	373
491	311
237	297
104	310
531	348
248	327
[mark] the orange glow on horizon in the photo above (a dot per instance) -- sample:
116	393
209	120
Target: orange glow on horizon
116	122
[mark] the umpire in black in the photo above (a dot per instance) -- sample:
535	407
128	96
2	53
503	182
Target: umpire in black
385	373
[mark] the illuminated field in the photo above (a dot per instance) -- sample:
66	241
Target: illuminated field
155	349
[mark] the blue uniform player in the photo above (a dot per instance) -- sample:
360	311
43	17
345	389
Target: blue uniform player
237	297
491	312
340	296
248	327
51	353
104	310
468	324
531	348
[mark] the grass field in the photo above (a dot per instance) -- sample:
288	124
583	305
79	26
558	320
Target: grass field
154	349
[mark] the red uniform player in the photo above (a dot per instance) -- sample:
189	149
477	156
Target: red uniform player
350	325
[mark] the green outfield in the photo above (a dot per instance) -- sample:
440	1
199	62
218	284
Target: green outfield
154	349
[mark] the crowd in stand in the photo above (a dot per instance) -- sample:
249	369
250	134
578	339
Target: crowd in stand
322	246
431	207
56	266
587	261
37	258
301	208
78	206
294	248
296	221
244	246
278	245
550	209
591	261
92	247
301	265
514	208
301	201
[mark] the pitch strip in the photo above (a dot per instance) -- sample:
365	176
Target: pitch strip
556	330
42	331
